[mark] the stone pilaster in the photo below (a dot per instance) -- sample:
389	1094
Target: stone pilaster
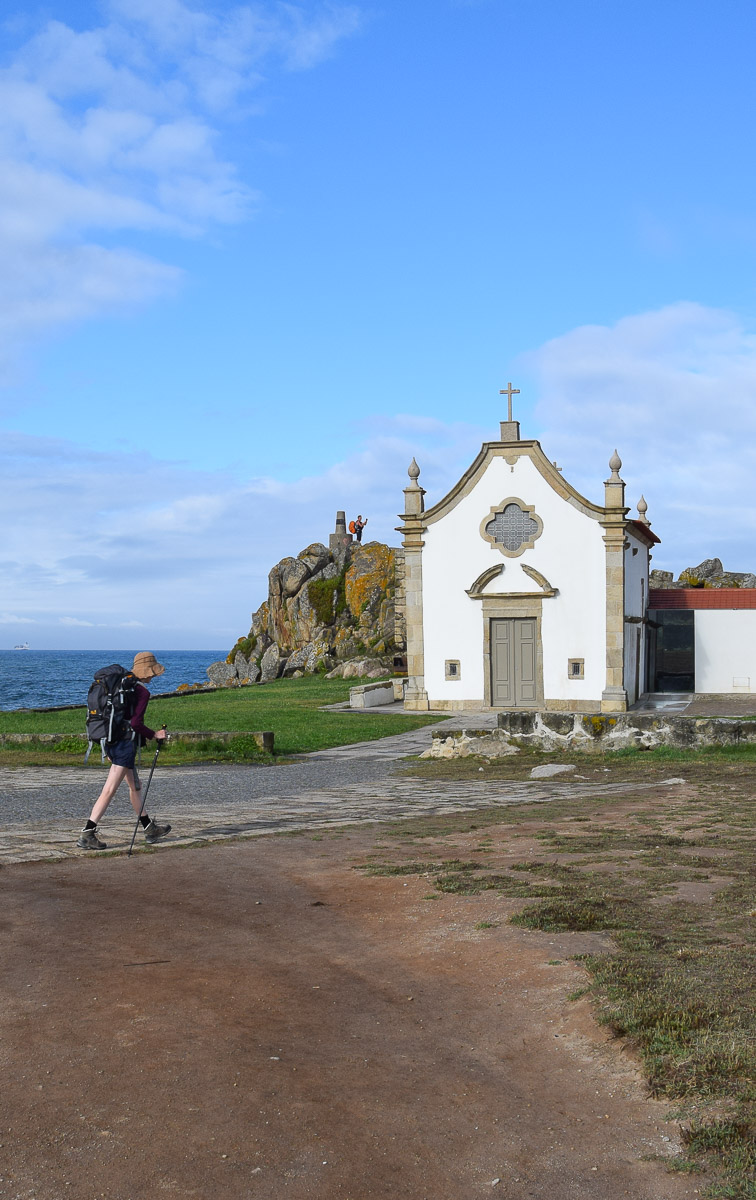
614	696
412	527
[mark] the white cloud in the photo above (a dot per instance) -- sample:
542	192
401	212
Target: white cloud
118	129
11	619
673	390
185	554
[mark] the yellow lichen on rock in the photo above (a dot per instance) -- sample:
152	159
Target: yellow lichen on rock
370	573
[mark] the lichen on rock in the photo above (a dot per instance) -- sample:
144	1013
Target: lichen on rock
325	611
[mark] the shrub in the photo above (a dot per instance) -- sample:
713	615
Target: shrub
71	745
328	597
243	645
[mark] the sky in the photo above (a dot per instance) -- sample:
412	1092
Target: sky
258	256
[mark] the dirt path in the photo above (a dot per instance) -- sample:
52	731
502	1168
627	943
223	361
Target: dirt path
261	1020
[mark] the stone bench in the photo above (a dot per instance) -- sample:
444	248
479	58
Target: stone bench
371	695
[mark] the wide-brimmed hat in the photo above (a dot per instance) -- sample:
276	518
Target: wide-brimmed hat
146	666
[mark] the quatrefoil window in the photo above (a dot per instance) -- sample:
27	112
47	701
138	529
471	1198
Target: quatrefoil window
512	527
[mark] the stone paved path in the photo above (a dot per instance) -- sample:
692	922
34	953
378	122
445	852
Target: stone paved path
43	808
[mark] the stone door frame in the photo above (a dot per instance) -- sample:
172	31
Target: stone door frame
497	608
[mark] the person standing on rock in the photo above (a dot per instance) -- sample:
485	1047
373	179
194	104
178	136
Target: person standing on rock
122	755
359	525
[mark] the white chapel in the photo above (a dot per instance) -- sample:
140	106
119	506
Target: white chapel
520	592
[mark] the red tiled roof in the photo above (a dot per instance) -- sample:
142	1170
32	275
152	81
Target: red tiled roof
641	529
702	597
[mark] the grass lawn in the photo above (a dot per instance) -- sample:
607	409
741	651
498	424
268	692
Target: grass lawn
289	707
671	875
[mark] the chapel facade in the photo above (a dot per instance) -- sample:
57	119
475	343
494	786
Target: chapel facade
519	593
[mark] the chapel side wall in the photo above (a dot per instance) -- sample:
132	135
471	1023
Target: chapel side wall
725	642
636	600
570	554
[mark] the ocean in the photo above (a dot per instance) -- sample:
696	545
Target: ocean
44	678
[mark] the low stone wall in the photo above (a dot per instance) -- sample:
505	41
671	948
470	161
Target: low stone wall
461	743
595	733
263	738
643	730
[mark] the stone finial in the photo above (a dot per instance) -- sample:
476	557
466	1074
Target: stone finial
614	487
642	510
413	494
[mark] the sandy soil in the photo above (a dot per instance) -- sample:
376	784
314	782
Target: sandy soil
261	1020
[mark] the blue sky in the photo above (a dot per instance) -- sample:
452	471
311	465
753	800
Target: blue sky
258	256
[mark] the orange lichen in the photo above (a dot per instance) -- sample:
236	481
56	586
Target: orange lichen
372	568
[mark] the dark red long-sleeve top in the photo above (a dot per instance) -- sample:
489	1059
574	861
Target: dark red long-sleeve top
137	721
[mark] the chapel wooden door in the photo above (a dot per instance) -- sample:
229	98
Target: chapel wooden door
514	663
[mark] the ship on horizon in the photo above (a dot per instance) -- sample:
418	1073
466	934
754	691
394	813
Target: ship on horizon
25	646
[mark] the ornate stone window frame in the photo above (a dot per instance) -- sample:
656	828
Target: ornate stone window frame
528	509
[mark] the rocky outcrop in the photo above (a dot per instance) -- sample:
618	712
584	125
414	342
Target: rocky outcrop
330	610
708	574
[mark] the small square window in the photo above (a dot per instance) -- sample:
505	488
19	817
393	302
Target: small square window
452	669
576	668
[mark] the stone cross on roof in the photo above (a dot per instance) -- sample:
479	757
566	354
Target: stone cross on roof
509	392
510	429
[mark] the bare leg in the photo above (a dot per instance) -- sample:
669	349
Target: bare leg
116	775
135	789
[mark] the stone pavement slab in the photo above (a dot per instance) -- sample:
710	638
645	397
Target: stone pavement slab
43	808
208	818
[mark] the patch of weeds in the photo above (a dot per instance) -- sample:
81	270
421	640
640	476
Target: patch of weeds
731	1144
578	993
487	925
573	913
457	877
71	745
679	1165
461	883
554	962
417	868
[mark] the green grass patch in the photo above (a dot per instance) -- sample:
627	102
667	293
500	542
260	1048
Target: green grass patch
288	707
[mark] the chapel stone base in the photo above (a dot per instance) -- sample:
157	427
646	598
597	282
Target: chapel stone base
614	700
478	706
415	699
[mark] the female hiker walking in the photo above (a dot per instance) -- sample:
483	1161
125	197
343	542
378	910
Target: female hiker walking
122	754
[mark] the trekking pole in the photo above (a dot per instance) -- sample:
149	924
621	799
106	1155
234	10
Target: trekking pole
144	794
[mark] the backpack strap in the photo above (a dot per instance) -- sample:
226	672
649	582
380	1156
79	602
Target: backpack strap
89	751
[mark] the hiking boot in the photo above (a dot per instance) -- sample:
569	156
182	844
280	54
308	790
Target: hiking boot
88	840
154	832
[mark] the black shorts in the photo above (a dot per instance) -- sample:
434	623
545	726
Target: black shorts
123	753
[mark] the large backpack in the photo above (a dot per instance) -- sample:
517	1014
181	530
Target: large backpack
110	706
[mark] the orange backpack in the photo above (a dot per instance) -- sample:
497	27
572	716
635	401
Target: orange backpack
352	527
